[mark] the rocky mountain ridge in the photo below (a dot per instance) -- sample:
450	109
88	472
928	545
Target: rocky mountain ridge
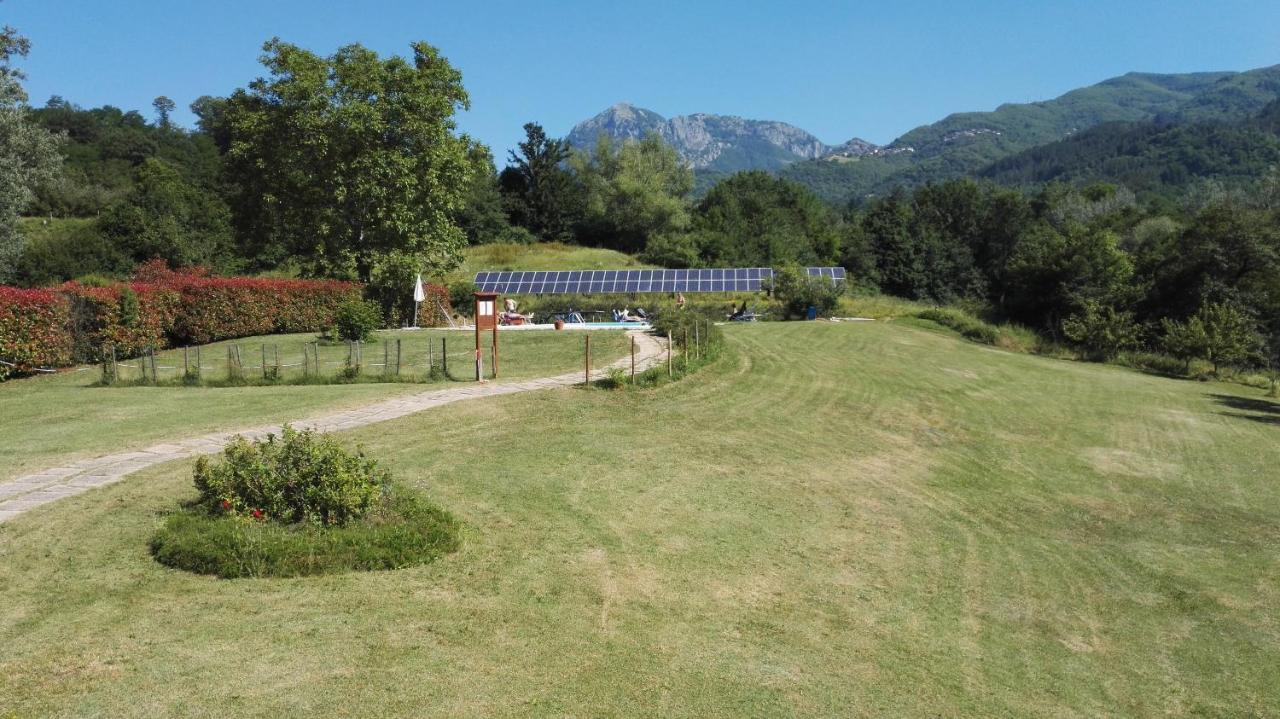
717	143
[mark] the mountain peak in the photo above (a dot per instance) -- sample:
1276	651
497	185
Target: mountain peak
724	143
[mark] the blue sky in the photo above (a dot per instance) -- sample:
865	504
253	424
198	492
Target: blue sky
839	70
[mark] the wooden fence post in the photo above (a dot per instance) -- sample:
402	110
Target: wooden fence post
186	362
397	356
444	356
264	360
155	375
633	359
199	369
586	374
115	365
686	349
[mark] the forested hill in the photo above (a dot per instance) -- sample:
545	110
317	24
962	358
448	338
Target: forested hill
104	148
966	143
1152	158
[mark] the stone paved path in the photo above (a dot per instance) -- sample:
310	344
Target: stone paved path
33	490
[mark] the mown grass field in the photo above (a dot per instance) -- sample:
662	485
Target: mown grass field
53	419
856	519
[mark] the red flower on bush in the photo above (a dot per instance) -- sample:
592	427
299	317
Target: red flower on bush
257	514
226	504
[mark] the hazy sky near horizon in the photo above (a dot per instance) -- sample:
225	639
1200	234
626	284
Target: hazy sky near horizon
838	70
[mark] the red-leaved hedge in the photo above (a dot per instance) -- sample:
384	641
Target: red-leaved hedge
77	323
33	330
129	317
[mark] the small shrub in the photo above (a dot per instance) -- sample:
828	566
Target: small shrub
615	378
402	531
357	319
297	477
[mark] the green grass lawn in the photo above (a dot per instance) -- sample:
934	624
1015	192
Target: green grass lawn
54	419
862	519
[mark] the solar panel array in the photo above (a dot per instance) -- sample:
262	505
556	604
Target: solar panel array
591	282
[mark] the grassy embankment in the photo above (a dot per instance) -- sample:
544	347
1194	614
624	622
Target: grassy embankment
835	519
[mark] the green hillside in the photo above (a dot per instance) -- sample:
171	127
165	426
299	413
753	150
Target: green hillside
1151	157
965	143
834	519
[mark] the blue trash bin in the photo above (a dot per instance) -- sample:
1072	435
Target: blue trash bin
811	313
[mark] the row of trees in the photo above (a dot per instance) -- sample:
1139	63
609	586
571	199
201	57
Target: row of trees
1088	266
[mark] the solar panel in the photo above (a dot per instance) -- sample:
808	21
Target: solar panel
737	279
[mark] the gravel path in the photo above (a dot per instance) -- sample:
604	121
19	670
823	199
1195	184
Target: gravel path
17	496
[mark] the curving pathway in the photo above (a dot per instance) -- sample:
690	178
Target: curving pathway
17	496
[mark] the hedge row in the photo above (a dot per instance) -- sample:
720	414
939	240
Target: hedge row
33	330
76	323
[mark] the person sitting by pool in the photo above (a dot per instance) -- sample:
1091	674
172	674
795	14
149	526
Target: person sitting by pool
626	316
510	316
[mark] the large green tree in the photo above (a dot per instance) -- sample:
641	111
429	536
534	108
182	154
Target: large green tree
345	161
753	219
635	192
29	154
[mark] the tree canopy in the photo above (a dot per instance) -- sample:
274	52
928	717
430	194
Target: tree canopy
345	160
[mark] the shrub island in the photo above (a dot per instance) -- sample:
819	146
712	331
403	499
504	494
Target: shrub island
300	504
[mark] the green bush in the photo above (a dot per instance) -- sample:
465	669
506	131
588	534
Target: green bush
1102	331
297	477
462	296
797	292
403	530
357	319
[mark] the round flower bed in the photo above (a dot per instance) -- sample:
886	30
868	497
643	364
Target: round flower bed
297	505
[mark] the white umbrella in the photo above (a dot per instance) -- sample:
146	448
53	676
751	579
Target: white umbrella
418	296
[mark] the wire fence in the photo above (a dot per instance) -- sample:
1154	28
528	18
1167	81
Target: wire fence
392	360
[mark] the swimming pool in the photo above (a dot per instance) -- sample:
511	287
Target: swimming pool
608	325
